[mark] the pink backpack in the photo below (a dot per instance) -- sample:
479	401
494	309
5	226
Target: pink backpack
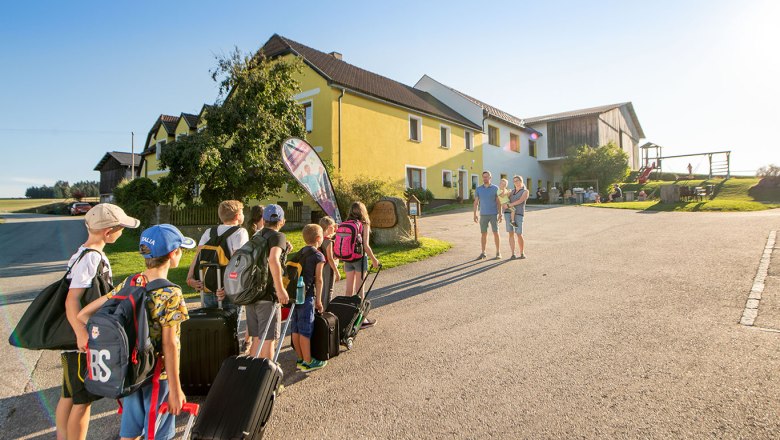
348	244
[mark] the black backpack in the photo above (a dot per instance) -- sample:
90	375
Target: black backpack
214	253
120	355
246	274
293	269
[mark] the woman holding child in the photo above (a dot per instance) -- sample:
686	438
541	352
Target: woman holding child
514	213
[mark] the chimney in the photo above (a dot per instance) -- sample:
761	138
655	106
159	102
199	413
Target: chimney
335	55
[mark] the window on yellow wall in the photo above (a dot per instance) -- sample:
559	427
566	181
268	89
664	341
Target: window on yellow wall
160	146
468	138
414	178
514	142
446	178
415	129
307	116
493	135
444	134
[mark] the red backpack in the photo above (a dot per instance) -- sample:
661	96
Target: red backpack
348	243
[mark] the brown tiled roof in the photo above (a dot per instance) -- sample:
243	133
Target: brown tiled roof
586	112
124	159
495	112
190	119
341	73
170	123
170	126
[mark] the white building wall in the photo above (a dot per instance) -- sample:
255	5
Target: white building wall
452	99
502	160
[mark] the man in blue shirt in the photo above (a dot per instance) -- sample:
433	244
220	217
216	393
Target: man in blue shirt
486	198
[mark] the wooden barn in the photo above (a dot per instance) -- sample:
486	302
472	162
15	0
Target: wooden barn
113	167
592	126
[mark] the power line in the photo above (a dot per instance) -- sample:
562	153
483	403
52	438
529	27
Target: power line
60	131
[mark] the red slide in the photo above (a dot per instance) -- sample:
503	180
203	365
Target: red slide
645	174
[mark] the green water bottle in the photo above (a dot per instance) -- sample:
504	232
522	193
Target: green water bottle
300	292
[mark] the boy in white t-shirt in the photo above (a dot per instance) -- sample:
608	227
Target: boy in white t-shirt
105	223
231	213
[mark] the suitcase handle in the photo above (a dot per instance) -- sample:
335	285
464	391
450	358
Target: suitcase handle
275	310
192	408
376	274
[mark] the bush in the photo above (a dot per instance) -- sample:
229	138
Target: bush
424	195
364	189
139	198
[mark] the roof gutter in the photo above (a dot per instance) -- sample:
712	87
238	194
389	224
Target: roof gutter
343	91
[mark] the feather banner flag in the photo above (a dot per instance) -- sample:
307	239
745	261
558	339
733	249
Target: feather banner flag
305	165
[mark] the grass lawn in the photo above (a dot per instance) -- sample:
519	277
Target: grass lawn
125	259
449	207
730	195
15	205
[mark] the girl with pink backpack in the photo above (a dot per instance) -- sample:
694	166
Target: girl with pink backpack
353	248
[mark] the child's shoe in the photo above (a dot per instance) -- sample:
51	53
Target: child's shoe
299	364
513	223
315	364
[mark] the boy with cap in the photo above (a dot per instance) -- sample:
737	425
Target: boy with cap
161	247
104	223
258	314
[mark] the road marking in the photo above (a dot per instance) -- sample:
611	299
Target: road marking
754	299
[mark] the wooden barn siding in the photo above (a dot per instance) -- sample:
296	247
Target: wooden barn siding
561	135
612	125
111	174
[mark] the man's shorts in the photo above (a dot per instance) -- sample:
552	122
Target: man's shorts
74	370
303	318
490	219
257	316
135	413
360	265
518	221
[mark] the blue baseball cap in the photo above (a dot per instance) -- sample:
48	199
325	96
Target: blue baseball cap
163	239
273	213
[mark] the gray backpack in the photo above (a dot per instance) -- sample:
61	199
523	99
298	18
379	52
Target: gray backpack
246	275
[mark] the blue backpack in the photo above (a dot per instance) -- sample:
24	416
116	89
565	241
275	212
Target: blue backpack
120	355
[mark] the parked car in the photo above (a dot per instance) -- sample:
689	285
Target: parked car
79	208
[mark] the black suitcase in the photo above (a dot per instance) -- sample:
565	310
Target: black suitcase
239	403
208	338
326	336
350	311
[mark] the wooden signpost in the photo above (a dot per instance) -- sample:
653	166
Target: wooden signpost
413	205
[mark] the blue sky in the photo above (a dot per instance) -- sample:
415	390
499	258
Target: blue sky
78	77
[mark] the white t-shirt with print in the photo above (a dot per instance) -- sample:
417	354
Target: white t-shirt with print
84	272
234	242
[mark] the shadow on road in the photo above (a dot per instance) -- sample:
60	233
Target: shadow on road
31	269
408	288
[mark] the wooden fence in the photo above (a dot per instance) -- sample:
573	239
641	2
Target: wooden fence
203	215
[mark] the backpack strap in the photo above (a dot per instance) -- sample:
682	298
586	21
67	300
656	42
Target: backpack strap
222	239
152	427
85	252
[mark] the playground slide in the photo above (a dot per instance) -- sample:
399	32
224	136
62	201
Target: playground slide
645	175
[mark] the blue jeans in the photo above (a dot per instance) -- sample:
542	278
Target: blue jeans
303	318
518	221
135	414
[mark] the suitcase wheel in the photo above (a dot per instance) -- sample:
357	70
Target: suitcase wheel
349	343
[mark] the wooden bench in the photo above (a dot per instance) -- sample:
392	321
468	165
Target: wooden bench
700	193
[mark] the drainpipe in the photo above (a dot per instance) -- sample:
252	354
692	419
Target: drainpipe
343	90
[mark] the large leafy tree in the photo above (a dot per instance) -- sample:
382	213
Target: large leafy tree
607	163
238	155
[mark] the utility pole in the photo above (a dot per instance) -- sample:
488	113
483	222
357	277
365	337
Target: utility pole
132	155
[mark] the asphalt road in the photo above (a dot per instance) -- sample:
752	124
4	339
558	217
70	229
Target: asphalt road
618	325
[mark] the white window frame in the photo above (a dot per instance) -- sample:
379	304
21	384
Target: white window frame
158	148
180	135
308	119
424	175
448	136
419	128
468	138
444	173
201	128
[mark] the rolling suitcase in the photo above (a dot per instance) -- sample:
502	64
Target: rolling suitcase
188	407
350	311
326	336
208	337
239	403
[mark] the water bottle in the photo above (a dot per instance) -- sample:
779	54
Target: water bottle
300	292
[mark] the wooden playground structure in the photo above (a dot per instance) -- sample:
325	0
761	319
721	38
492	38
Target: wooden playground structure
719	162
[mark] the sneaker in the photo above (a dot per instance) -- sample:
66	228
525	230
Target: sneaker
514	224
482	256
313	365
522	256
368	322
299	364
498	256
513	257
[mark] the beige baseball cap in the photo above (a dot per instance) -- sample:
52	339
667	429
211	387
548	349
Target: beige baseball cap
106	215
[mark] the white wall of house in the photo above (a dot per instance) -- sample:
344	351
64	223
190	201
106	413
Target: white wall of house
452	99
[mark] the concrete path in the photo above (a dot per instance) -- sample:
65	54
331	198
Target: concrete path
619	324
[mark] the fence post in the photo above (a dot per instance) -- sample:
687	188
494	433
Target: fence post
305	214
163	214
